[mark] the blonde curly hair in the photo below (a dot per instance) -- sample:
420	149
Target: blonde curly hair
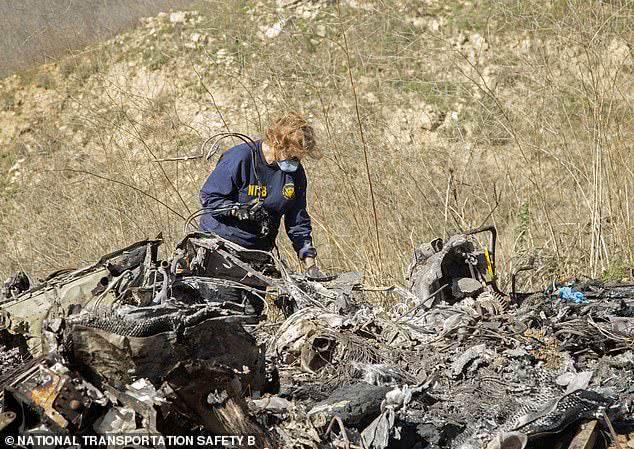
290	136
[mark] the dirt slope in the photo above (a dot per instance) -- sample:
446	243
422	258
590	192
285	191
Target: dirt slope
472	112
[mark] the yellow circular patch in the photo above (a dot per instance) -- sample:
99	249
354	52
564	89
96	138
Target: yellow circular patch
288	191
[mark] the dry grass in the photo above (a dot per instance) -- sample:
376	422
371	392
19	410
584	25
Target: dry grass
536	136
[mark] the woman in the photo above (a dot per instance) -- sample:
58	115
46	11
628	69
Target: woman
253	186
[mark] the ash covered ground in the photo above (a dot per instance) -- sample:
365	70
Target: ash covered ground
136	344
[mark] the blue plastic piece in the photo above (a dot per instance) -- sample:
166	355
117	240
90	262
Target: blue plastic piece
570	294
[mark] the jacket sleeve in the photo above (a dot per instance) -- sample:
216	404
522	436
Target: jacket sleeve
223	184
297	221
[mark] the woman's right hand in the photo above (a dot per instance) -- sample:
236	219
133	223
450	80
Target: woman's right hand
241	213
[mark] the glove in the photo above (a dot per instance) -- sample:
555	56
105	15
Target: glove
313	273
254	212
241	213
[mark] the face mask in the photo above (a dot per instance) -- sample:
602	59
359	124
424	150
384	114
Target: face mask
288	165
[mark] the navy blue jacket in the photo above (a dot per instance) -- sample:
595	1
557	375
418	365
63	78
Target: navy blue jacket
233	181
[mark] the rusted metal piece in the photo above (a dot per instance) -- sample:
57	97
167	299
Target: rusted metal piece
72	404
44	395
55	398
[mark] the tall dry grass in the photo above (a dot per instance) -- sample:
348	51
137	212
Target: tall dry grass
536	135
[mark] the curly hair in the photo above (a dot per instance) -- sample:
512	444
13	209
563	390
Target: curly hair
291	136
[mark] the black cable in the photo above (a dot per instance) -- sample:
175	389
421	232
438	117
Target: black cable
247	140
215	139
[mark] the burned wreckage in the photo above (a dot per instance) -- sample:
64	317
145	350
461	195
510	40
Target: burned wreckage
138	346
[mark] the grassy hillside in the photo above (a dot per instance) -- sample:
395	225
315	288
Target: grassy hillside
35	31
513	113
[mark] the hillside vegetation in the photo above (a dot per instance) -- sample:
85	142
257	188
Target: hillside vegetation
459	113
36	31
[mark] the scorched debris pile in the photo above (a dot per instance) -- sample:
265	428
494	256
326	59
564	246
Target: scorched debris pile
137	345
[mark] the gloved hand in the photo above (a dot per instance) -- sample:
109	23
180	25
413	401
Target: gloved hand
241	213
254	212
313	273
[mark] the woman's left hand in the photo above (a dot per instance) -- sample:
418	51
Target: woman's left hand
315	274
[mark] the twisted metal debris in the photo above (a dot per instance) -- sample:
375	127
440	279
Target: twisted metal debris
173	346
